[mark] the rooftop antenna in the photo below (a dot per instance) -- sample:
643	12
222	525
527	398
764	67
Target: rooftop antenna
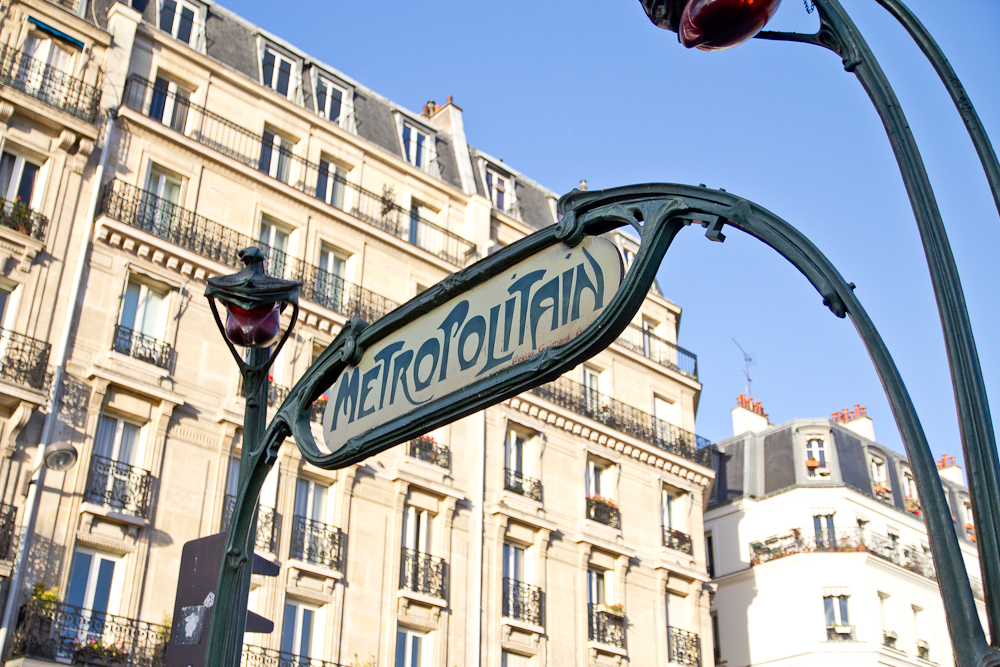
747	360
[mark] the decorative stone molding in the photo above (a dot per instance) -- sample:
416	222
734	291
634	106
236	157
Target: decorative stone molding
6	111
523	638
65	140
86	147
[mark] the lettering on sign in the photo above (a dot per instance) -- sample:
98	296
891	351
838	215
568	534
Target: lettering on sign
545	301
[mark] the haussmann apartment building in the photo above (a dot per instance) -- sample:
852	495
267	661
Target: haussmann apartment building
143	145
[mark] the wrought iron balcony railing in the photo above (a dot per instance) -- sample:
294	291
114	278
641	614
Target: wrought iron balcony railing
142	347
840	633
645	342
276	393
627	419
522	602
255	656
268	524
520	484
48	84
118	485
602	511
15	215
316	542
675	539
605	627
426	449
23	360
422	573
8	517
315	180
840	541
685	647
186	229
59	632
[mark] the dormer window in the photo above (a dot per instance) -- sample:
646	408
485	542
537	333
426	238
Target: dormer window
496	186
276	71
182	20
416	146
329	100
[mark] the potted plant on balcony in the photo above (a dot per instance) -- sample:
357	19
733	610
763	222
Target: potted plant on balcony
95	652
812	463
882	493
602	500
617	609
912	505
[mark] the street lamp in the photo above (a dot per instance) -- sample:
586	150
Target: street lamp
254	302
718	24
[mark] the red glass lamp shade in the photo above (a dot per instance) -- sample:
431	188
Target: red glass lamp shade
714	25
256	327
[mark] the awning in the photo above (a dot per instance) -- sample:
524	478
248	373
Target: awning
56	33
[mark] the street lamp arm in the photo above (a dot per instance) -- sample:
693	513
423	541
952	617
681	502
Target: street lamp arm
779	36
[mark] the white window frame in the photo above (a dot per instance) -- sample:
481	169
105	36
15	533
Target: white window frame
600	581
323	513
816	449
518	464
346	105
175	92
271	229
336	192
425	647
117	577
409	133
837	601
315	632
18	172
879	470
418	530
491	176
293	74
140	310
197	23
280	163
601	479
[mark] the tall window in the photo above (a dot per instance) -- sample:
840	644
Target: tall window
312	500
276	72
508	659
676	614
878	470
333	269
93	585
43	64
921	631
599	479
668	508
160	212
330	183
179	19
710	554
598	587
276	156
514	573
17	178
117	442
169	104
300	632
592	387
274	242
416	147
329	100
417	529
816	451
496	186
514	451
826	534
887	614
667	414
835	611
144	311
413	648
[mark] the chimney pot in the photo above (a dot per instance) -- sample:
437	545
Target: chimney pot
583	185
450	101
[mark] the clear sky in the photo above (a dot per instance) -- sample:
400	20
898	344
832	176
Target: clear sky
564	91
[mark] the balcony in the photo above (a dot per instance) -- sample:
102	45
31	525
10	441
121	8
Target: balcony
685	647
15	215
522	602
118	485
268	524
248	148
605	627
422	573
845	540
276	393
603	510
317	543
515	482
58	632
24	360
675	539
426	449
49	85
190	231
8	518
660	351
255	656
840	633
142	347
622	417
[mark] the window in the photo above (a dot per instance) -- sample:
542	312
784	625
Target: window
312	501
668	508
5	297
716	647
598	479
676	614
517	602
276	72
276	156
117	440
330	285
878	470
417	529
838	623
94	586
169	104
496	186
17	179
629	258
142	323
43	67
274	242
888	616
160	212
826	534
598	587
180	19
416	147
329	100
413	648
710	554
508	659
815	455
592	388
299	636
513	455
330	183
667	414
970	523
921	632
910	496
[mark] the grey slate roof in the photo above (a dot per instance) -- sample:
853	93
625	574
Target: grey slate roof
447	162
535	209
375	122
231	42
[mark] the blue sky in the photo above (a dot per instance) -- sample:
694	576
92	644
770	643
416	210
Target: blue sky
564	91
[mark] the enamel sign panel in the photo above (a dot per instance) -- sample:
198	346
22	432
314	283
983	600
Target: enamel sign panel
545	301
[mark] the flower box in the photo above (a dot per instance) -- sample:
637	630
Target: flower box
612	609
812	463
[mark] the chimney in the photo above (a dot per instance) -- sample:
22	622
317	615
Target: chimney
949	471
856	420
749	416
583	186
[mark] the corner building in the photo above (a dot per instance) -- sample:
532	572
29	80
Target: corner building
818	548
561	527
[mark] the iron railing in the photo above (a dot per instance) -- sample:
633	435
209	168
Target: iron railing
8	517
521	484
843	540
17	216
604	627
268	524
49	85
426	449
423	573
316	542
627	419
315	180
144	210
24	360
522	602
59	632
276	393
142	347
675	539
645	342
118	485
685	647
840	633
602	511
255	656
